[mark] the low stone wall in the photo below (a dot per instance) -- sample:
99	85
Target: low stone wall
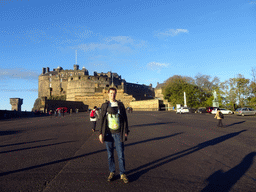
8	114
145	105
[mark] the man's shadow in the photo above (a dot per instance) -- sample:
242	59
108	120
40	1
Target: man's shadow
137	172
223	181
235	123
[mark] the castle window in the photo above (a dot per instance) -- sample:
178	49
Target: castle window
50	74
60	85
70	74
61	80
79	77
71	78
98	78
62	75
50	79
50	85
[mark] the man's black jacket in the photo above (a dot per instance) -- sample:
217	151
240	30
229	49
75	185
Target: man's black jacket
123	120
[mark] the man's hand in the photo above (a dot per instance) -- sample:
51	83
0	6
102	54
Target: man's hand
100	138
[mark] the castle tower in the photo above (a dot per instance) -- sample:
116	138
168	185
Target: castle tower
76	67
16	104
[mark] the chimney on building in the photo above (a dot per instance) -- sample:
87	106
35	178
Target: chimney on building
43	70
76	67
47	69
16	104
109	74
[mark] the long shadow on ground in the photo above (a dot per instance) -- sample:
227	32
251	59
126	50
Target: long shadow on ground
235	123
36	147
10	132
223	181
77	157
137	172
23	143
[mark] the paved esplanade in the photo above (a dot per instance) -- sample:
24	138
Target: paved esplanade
164	152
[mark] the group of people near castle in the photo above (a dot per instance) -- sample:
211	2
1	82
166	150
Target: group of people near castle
113	131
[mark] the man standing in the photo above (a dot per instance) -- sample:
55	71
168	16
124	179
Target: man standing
219	117
114	129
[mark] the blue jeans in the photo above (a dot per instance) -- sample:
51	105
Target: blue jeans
115	138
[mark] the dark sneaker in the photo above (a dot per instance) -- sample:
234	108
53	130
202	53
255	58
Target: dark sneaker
124	178
111	176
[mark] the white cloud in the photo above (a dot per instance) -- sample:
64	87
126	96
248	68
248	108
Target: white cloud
18	73
103	46
19	90
155	66
170	32
119	44
120	39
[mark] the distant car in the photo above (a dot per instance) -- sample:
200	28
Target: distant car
245	111
210	109
182	110
201	110
223	111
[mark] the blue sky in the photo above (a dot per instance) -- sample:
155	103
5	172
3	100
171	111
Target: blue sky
144	41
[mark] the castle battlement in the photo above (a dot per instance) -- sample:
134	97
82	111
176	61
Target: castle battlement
76	85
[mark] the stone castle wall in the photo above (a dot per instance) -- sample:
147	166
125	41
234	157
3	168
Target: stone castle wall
99	98
146	105
78	85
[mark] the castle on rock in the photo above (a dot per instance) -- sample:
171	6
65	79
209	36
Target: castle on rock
78	85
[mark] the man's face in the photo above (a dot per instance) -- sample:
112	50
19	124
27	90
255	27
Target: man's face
112	95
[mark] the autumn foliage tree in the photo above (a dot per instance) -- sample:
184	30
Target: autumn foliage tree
232	93
236	91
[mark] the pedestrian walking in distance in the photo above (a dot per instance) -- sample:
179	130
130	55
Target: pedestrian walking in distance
114	129
219	117
94	117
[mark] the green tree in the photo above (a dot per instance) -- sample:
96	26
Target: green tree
208	86
242	89
176	86
204	82
252	90
236	91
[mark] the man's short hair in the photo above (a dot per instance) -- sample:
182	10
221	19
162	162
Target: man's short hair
112	88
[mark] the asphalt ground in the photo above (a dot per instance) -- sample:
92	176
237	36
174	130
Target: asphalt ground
164	152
